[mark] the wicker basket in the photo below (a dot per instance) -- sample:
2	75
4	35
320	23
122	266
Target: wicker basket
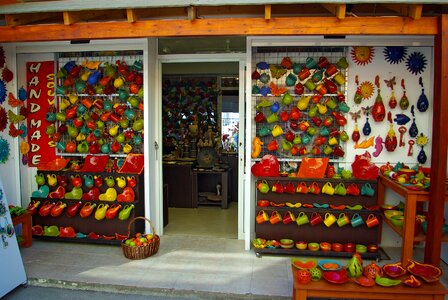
140	252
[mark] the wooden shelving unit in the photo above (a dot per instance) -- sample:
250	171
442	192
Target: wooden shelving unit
411	199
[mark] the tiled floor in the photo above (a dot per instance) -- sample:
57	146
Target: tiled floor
190	263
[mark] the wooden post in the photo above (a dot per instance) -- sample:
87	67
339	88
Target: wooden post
439	145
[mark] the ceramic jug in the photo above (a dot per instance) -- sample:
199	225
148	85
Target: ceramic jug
125	212
100	212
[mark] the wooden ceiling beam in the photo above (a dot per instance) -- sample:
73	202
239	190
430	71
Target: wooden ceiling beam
338	10
25	19
192	13
413	11
216	27
72	17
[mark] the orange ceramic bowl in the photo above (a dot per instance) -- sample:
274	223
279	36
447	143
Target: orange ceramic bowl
324	246
263	203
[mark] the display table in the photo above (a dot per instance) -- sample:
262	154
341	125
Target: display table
27	235
410	210
205	188
323	289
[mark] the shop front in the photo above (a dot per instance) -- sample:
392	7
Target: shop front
370	102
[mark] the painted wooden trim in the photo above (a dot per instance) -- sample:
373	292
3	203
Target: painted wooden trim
338	10
216	27
415	11
192	13
439	146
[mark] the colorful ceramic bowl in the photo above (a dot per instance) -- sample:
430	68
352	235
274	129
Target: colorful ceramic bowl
394	270
391	212
263	203
313	246
301	245
361	248
397	220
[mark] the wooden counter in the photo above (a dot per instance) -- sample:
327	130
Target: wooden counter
410	198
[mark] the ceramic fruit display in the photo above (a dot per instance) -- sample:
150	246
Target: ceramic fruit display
101	105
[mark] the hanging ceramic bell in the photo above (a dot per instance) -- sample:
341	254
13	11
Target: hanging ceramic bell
404	102
378	109
422	103
422	156
392	100
355	135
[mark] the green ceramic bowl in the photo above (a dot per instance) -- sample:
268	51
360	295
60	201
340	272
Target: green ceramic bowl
397	220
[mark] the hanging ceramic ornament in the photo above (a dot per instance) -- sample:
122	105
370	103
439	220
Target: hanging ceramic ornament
378	109
13	131
3	119
366	129
416	63
286	63
422	103
355	134
13	102
362	55
276	71
22	94
263	65
391	139
395	54
404	102
358	97
413	130
390	84
366	89
422	140
2	91
4	150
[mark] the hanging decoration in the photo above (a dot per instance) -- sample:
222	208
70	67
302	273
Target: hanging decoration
413	130
358	96
2	91
7	74
392	100
22	94
13	118
422	140
355	134
404	102
3	119
13	102
366	129
4	150
362	55
402	130
13	131
395	54
2	57
277	72
378	109
416	63
422	103
378	146
391	139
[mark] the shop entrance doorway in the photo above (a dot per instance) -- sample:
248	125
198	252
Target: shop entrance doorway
202	146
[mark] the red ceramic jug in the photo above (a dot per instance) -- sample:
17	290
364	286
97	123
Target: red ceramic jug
112	211
73	209
45	208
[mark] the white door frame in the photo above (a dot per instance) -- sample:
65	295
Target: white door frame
157	116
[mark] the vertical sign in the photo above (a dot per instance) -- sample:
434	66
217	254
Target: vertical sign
40	86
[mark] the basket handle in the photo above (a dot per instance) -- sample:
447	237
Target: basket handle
142	218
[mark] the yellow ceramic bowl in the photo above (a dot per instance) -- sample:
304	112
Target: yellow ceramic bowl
390	213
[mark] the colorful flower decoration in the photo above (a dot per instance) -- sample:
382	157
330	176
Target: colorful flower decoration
2	91
416	63
7	74
13	131
3	119
362	55
395	54
4	150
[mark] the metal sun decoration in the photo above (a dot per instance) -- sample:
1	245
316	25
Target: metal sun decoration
416	63
362	55
395	54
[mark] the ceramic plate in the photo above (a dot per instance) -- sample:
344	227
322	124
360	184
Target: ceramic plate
337	207
364	281
301	264
330	265
336	277
394	270
427	272
317	205
355	207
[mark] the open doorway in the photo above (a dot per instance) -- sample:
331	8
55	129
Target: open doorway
200	129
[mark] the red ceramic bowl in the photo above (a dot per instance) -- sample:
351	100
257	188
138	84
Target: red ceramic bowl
349	247
324	246
372	248
337	247
263	203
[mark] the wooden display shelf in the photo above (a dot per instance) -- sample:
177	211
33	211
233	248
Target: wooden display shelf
78	240
26	221
297	252
419	237
410	210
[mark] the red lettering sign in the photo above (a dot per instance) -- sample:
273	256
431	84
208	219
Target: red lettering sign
40	86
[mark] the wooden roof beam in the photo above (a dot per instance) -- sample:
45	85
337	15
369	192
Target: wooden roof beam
192	13
413	11
338	10
72	17
267	12
26	19
132	15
